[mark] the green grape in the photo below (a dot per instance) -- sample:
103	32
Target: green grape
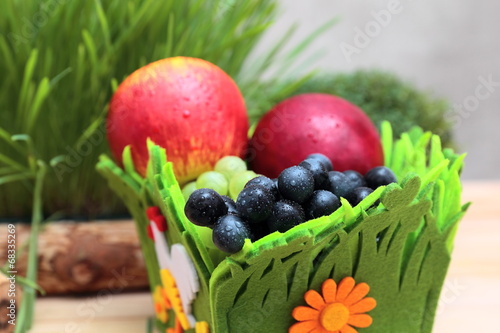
206	237
214	180
188	189
239	181
230	165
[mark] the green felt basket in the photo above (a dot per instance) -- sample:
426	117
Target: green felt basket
398	241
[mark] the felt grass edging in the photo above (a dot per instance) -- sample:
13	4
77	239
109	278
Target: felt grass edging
401	248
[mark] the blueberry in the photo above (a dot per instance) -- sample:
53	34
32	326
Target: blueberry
356	179
275	181
286	215
255	203
296	183
321	203
265	182
318	171
327	163
229	233
358	194
379	176
204	207
230	204
258	230
339	184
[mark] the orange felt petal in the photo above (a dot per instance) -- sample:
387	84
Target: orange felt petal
329	289
303	326
360	291
360	320
178	326
365	305
320	329
344	289
314	299
302	313
348	329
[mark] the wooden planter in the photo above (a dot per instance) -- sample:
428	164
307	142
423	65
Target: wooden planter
82	257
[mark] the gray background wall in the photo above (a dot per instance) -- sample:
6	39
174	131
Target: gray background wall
447	46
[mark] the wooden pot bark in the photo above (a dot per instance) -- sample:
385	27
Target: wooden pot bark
82	257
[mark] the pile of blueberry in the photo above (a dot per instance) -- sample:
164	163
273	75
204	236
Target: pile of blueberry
301	193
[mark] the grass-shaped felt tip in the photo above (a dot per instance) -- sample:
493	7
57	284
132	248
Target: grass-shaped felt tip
204	207
296	183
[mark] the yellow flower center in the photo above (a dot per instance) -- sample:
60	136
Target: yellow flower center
334	317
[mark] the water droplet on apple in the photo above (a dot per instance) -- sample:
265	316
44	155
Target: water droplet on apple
186	114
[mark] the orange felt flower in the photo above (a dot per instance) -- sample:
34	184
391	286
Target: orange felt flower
340	308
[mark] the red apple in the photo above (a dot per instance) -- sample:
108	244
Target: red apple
186	105
315	123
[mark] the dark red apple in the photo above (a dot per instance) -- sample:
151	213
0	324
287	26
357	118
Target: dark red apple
186	105
315	123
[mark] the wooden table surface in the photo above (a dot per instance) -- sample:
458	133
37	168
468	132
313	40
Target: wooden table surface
470	301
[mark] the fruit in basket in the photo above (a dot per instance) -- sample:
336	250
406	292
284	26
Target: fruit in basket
268	183
339	184
286	214
255	203
214	180
204	207
186	105
302	192
315	123
231	205
318	172
296	183
321	203
325	161
379	176
358	194
238	182
230	166
229	233
355	178
188	189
